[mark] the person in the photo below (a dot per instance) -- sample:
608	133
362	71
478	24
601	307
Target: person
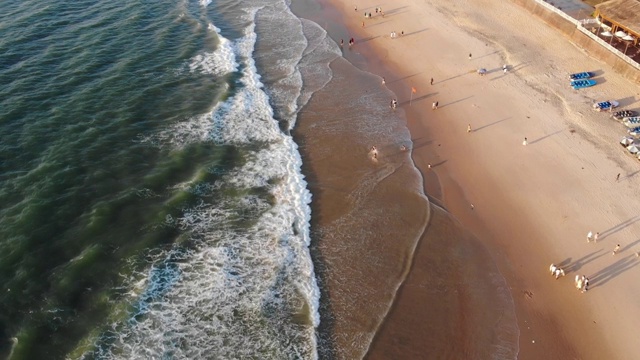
351	41
341	42
434	106
595	237
402	33
403	148
525	142
469	56
376	10
469	128
618	177
431	81
374	152
585	284
429	166
383	81
394	103
356	7
363	24
504	68
589	236
616	249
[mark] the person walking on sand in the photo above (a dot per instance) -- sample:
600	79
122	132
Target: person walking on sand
504	68
618	177
616	249
525	142
356	7
374	152
431	81
434	106
469	128
589	236
585	284
595	237
469	56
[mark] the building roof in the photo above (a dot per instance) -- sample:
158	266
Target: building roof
625	13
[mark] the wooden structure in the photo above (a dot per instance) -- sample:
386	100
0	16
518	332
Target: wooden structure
621	15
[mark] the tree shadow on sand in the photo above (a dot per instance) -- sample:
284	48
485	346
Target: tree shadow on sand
603	276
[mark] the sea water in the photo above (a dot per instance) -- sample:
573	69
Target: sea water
152	199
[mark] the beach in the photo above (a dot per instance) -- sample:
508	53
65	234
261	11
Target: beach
525	206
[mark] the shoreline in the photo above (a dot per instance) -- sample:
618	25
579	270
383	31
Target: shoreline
561	327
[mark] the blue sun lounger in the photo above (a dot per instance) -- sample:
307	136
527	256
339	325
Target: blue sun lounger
581	84
581	75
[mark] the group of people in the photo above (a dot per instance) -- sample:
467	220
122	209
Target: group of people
393	104
582	283
369	16
351	42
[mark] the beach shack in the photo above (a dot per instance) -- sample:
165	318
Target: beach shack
619	19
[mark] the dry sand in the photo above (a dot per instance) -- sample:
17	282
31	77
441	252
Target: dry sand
534	204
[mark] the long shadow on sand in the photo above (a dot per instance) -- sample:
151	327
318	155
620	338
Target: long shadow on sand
403	78
615	229
419	98
395	11
603	276
573	266
493	123
418	143
485	55
378	23
629	246
415	32
453	102
546	136
455	76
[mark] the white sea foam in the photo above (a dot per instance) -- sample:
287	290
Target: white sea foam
241	288
219	62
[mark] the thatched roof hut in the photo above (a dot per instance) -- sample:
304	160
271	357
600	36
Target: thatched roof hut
622	14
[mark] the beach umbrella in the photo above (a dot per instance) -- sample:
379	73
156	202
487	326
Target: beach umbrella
606	33
628	38
633	149
626	141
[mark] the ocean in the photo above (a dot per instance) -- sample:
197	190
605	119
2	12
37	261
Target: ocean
157	166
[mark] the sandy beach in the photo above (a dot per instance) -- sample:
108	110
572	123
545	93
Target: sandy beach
531	205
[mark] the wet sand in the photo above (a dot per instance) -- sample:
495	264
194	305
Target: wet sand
534	204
